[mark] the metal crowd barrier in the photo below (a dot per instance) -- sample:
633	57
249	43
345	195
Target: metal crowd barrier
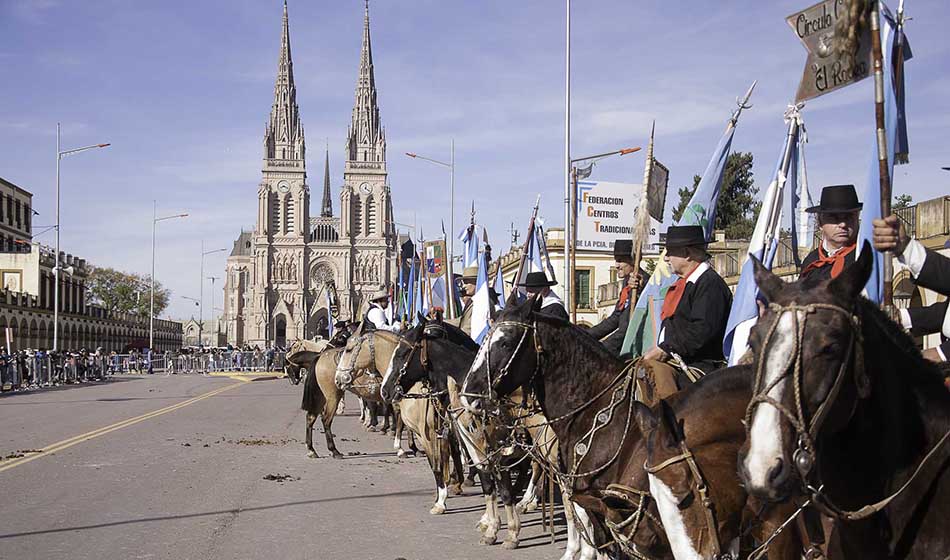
43	370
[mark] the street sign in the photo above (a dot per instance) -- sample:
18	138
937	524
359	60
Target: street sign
607	212
832	62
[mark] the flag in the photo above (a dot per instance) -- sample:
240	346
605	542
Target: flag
500	286
584	172
656	191
481	303
764	242
803	223
439	296
411	291
872	189
469	239
330	318
543	258
644	324
400	292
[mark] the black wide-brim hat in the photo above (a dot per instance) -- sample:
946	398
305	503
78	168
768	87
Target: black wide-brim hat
837	199
537	280
623	248
686	236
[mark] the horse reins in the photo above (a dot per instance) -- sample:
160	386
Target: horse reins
700	487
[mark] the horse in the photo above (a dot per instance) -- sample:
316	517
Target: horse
692	441
588	396
321	396
373	351
438	355
847	414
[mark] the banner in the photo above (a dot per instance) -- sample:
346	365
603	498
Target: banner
606	212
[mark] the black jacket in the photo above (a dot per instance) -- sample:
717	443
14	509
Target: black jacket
614	327
813	277
934	275
697	327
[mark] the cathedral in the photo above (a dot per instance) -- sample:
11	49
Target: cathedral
279	274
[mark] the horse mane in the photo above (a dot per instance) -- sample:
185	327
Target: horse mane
454	335
590	343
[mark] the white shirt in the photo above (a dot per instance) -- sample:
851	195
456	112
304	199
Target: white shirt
377	316
551	299
691	279
913	258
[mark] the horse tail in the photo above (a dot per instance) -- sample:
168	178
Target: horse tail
312	395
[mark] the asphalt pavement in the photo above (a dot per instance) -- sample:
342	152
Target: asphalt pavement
193	467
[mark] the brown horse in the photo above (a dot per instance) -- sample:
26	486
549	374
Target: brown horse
848	414
692	441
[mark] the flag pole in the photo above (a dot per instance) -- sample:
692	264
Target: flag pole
573	240
568	280
527	241
883	170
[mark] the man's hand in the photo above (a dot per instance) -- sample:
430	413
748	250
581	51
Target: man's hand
932	355
634	282
890	235
656	353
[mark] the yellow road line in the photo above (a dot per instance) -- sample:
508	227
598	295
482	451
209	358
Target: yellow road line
67	443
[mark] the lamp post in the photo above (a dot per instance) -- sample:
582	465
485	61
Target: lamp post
151	291
60	154
570	233
201	292
212	278
450	243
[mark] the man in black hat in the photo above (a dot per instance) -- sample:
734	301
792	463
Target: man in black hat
467	293
838	221
538	285
612	330
696	308
931	270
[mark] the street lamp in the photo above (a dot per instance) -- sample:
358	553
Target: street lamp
451	241
212	278
570	232
60	154
201	293
151	295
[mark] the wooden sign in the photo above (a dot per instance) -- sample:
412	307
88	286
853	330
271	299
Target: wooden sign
838	44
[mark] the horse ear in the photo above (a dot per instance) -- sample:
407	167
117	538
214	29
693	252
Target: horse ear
674	425
852	279
769	284
512	299
535	302
646	420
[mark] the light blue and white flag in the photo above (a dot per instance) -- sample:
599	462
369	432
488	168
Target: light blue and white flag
544	257
412	290
481	303
763	245
500	286
439	298
469	238
330	318
871	196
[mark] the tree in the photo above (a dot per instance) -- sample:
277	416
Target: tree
123	292
902	201
737	207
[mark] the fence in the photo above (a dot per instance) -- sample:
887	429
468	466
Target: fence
44	370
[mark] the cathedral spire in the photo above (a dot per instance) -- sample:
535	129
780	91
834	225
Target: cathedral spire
327	211
366	141
284	137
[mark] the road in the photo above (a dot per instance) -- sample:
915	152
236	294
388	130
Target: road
174	467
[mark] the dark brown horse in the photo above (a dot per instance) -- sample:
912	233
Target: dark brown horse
587	395
692	441
847	413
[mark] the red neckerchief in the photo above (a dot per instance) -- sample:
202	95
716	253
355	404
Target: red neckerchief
624	296
836	261
672	299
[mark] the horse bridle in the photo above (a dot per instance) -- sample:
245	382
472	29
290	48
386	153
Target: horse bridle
701	489
345	374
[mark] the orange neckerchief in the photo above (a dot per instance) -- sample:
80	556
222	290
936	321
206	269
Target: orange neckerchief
836	261
672	299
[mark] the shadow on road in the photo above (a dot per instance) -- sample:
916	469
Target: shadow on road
234	511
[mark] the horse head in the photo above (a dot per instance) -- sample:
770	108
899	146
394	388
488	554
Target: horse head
809	375
398	373
508	357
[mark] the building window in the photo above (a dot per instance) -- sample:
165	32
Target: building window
10	210
27	217
358	216
2	197
289	215
370	216
582	293
18	217
275	216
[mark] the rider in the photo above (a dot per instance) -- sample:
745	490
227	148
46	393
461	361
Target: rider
695	309
611	330
838	221
469	277
930	270
376	318
537	284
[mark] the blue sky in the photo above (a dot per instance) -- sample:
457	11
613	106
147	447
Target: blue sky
183	88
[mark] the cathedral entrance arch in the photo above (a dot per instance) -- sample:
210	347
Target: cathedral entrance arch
280	331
